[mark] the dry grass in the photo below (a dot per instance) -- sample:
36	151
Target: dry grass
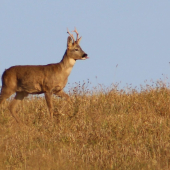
107	129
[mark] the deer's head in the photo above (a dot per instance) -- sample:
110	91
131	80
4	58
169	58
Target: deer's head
74	50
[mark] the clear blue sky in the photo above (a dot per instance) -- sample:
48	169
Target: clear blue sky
133	34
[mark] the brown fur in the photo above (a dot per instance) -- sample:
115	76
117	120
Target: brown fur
37	79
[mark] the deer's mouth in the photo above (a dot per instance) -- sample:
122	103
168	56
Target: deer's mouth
85	56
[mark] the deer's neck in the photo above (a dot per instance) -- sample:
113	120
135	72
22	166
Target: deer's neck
67	63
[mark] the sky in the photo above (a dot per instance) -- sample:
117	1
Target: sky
128	42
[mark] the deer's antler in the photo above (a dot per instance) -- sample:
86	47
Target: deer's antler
77	39
75	30
71	35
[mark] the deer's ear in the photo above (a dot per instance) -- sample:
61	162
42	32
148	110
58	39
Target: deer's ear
69	41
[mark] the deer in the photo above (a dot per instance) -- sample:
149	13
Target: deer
38	79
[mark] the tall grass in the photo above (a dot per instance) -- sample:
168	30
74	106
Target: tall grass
97	129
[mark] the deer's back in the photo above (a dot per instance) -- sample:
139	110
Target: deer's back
32	79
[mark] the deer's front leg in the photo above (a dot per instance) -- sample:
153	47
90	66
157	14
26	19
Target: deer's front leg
62	94
48	97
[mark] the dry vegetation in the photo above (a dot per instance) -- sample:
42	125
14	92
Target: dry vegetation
98	129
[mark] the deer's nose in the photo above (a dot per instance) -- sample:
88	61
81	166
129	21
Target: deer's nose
84	55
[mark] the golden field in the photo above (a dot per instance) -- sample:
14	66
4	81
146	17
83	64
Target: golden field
102	128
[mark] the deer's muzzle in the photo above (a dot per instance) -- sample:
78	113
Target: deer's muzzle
85	56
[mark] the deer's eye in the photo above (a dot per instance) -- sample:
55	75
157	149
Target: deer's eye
76	49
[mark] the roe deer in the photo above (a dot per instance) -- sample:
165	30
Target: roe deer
37	79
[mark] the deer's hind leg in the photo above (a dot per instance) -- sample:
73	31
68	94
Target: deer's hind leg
5	93
12	107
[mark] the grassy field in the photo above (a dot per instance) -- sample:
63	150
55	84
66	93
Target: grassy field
98	129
